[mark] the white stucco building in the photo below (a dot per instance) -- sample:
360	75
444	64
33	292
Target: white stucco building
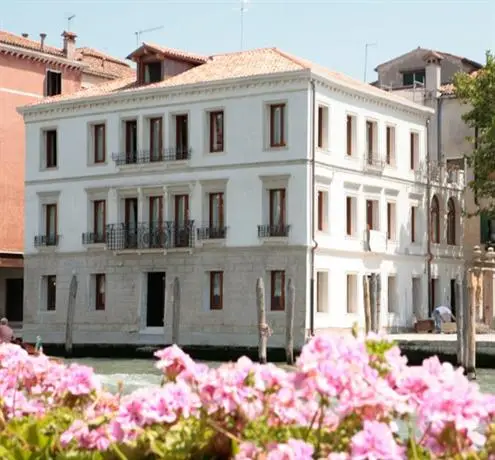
203	170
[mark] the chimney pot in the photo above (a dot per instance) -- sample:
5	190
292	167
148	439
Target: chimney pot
25	35
69	44
42	40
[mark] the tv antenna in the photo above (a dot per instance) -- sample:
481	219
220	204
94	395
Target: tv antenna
69	19
243	9
368	45
144	31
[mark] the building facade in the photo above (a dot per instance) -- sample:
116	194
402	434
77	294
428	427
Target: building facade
29	71
218	171
426	77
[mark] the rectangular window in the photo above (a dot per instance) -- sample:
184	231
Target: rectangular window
350	128
152	72
51	224
372	217
392	294
99	150
100	292
216	216
131	212
131	141
277	125
181	137
156	139
99	220
322	136
277	290
413	224
322	211
322	292
414	150
156	211
391	221
216	131
351	293
181	219
277	208
216	290
390	153
51	149
412	78
370	140
350	212
53	83
51	292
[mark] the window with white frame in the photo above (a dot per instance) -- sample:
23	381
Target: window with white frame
277	125
322	292
390	146
322	210
351	215
352	296
392	293
322	135
391	221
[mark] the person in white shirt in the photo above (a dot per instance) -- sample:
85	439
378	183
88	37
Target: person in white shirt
442	314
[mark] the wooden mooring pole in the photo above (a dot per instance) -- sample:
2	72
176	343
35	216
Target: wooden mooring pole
262	326
291	300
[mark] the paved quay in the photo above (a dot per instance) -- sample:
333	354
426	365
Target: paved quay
442	344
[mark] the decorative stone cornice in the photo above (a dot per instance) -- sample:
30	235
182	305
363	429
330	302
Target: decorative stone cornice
40	56
164	95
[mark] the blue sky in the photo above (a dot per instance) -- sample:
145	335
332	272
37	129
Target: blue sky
332	33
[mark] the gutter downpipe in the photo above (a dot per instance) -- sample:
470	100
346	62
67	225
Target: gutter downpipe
429	255
314	244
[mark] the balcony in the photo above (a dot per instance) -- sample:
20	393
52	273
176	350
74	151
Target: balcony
372	162
162	235
375	241
93	238
273	231
43	241
141	157
440	174
211	233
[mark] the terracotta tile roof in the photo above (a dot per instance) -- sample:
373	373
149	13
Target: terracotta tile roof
98	62
27	43
172	52
103	64
257	62
449	90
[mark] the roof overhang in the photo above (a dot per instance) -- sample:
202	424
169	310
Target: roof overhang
40	56
146	50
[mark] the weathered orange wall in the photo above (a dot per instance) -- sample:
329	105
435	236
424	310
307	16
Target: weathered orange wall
20	81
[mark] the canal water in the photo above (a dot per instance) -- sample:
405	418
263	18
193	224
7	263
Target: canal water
139	373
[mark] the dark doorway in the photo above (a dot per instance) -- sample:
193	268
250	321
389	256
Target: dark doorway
453	297
156	299
14	298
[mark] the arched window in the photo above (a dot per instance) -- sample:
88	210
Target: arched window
435	220
451	222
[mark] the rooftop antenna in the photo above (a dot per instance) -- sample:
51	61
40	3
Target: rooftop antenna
141	32
243	9
69	19
368	45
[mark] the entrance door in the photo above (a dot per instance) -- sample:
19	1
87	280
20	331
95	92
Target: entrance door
156	299
453	297
14	299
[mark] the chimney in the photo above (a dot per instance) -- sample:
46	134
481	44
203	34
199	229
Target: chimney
433	73
42	40
25	35
69	44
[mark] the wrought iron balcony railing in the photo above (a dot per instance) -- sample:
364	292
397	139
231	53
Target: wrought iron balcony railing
160	235
152	156
93	237
41	241
373	162
212	232
268	231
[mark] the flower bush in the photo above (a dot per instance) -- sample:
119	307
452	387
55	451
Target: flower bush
345	399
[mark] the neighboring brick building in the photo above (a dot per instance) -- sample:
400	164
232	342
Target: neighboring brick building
31	70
